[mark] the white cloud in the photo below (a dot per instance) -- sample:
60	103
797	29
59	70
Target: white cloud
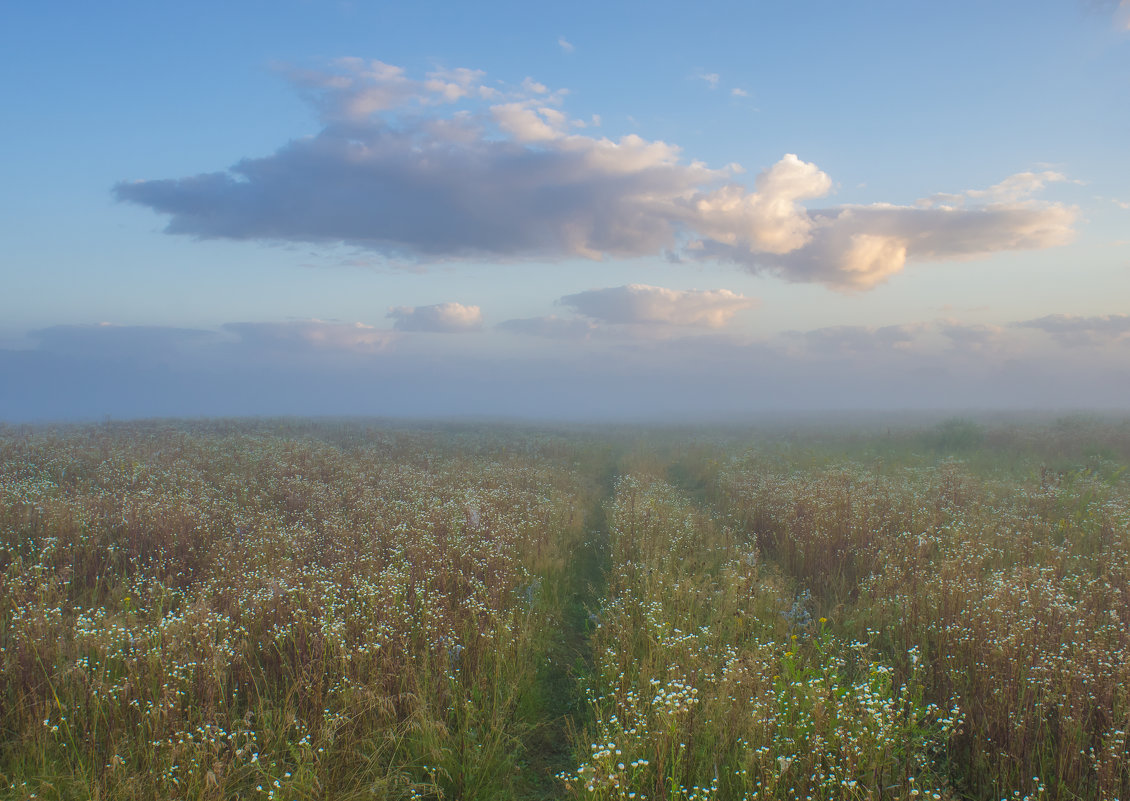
357	88
565	45
1018	187
533	87
452	85
1122	16
736	92
441	318
859	247
711	78
527	125
504	174
639	303
769	220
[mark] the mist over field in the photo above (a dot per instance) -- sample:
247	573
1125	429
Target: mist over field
94	372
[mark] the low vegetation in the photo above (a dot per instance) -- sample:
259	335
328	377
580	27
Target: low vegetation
291	610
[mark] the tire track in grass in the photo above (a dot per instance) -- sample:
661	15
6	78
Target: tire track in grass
573	594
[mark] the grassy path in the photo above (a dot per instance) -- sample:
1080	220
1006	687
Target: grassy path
575	593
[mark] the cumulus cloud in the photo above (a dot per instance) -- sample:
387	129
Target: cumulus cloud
565	44
736	92
859	247
639	303
440	318
446	167
770	220
1077	330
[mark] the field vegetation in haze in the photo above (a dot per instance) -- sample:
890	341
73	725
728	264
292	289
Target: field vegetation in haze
352	610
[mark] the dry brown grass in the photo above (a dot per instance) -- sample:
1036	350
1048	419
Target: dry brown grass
202	614
1016	590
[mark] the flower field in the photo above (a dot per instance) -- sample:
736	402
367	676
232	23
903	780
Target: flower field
330	610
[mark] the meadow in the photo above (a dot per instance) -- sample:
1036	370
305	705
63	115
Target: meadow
352	610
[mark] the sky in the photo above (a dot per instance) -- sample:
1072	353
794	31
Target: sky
587	210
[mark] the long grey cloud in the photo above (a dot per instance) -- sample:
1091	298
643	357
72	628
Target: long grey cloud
551	327
854	339
639	303
139	343
316	335
447	167
1076	330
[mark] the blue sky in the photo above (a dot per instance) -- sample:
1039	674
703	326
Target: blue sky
581	210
